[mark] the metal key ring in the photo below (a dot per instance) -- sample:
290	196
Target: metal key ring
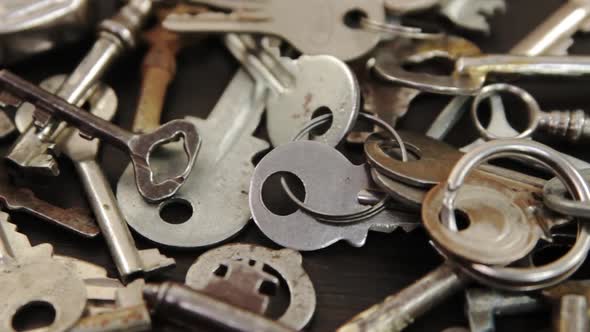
351	217
554	197
398	29
533	109
510	277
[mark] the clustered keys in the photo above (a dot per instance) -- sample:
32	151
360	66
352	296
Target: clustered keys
331	92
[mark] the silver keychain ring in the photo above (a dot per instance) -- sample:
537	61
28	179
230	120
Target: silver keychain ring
397	30
554	197
510	277
533	108
351	217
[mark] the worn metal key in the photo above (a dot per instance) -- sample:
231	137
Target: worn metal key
17	90
324	32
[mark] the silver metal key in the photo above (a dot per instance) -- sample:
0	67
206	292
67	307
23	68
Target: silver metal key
32	150
129	261
14	91
300	87
223	169
324	31
29	274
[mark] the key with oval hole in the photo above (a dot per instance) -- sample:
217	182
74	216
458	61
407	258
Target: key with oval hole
299	88
326	30
129	261
29	274
33	150
204	275
15	91
301	231
223	169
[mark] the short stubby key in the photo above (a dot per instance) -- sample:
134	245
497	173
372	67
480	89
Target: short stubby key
222	170
302	231
16	90
325	30
299	88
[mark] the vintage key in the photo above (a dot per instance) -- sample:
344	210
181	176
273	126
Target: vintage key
302	231
31	151
30	275
325	31
295	87
286	262
159	68
83	153
29	27
468	14
223	169
47	106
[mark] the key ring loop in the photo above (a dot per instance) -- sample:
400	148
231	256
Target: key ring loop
351	217
554	197
510	277
533	108
397	29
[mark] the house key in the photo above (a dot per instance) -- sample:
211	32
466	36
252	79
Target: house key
223	169
324	32
83	153
47	106
300	230
29	274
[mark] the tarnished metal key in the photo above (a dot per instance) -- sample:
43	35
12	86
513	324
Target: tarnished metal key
33	149
324	32
129	261
15	91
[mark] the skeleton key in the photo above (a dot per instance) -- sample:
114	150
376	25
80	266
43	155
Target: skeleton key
30	274
223	170
297	90
83	153
286	262
300	230
325	31
139	147
31	151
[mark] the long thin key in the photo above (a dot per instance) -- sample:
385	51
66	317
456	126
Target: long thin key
552	37
83	153
324	31
139	147
31	151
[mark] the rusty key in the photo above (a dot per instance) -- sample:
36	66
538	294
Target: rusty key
16	90
159	68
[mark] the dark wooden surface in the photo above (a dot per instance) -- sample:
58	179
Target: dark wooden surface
346	279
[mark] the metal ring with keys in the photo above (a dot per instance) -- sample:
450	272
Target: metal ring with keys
513	278
554	197
355	216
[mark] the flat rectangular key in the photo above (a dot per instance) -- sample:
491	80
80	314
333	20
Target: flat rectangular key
15	91
324	30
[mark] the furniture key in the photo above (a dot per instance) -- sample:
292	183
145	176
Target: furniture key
31	151
16	90
129	261
255	260
325	30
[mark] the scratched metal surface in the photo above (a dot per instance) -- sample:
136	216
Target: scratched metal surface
346	279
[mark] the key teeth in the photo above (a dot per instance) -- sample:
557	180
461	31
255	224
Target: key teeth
19	243
152	260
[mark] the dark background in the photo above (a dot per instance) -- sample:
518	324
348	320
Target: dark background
347	279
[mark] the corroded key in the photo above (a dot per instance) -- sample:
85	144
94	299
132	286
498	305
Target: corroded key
17	90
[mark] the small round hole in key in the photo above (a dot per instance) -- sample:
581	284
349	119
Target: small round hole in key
322	129
353	18
275	198
34	315
176	211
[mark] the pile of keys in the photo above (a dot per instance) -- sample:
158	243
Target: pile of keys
331	92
